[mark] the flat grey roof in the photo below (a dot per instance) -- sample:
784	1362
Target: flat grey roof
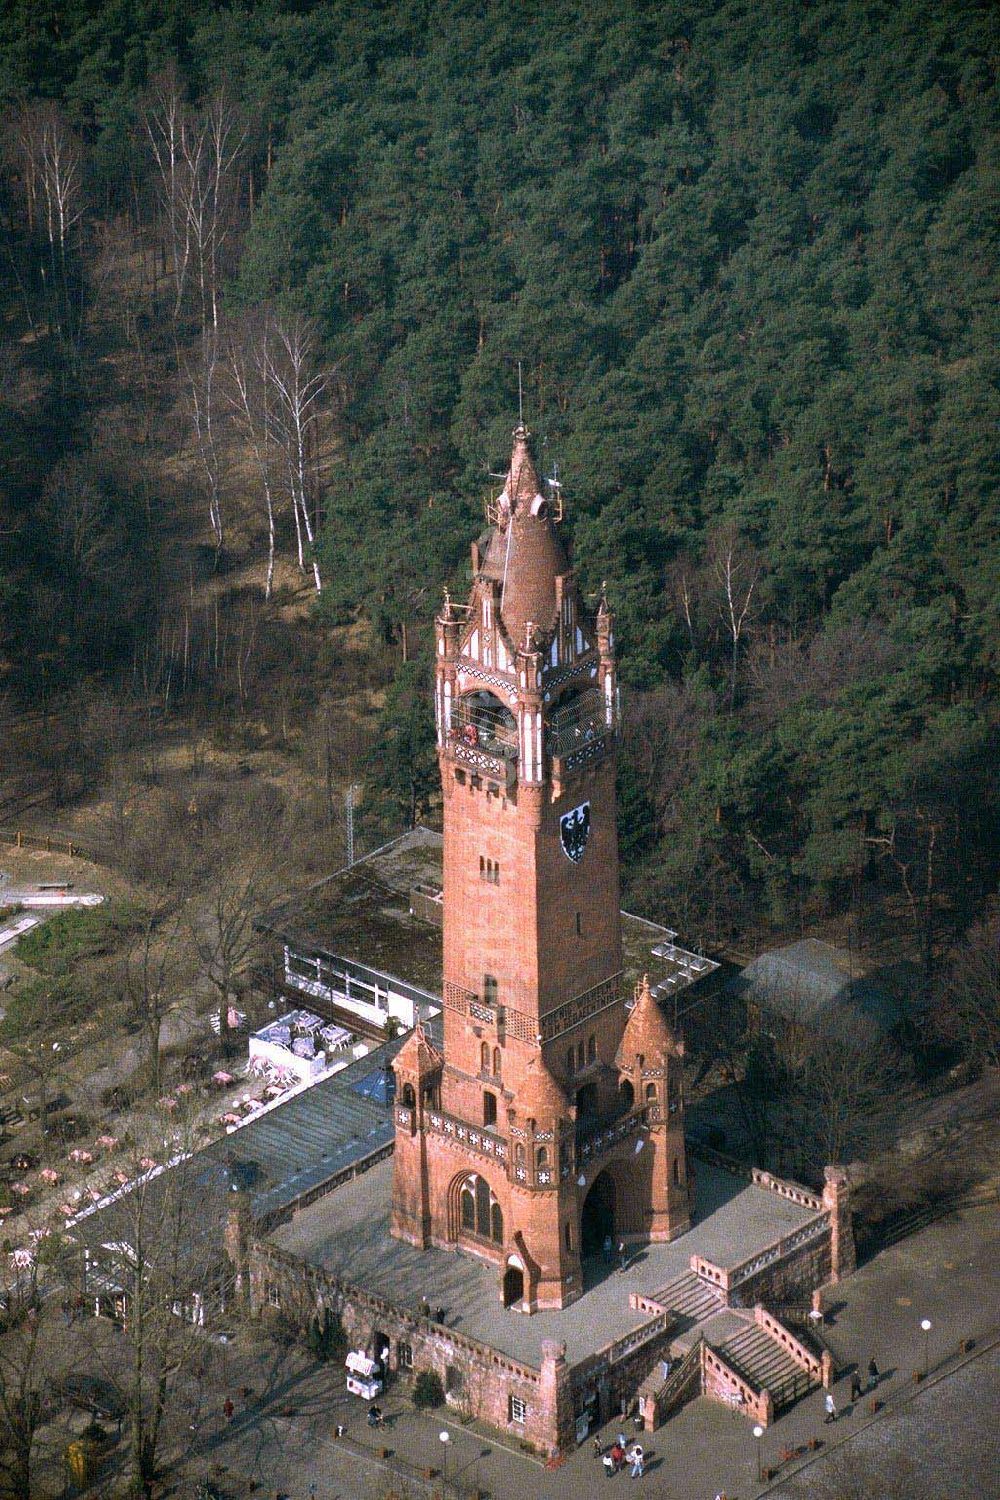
294	1147
362	913
347	1233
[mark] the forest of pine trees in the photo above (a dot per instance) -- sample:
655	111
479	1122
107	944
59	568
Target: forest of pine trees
748	259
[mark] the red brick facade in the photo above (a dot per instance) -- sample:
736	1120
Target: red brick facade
543	1090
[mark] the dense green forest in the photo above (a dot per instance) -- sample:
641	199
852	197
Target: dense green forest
747	257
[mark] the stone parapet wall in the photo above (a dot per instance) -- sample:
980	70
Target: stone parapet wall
722	1383
796	1351
480	1381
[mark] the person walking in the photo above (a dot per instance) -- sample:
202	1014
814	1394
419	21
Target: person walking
856	1386
831	1408
228	1409
608	1249
638	1458
622	1256
873	1375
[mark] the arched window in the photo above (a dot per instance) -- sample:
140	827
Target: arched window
570	1061
482	1207
496	1062
518	1154
542	1159
677	1170
592	1049
490	989
482	868
651	1093
409	1097
627	1094
484	1057
468	1206
496	1223
568	1235
580	1056
489	1108
640	1060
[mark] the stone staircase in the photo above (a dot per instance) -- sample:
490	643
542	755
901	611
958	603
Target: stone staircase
760	1359
691	1298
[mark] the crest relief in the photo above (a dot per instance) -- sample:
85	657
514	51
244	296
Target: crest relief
574	831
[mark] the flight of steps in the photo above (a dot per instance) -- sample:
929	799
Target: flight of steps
690	1297
761	1360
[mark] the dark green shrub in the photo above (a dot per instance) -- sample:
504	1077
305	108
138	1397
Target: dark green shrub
427	1390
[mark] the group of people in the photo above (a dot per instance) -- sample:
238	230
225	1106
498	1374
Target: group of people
621	1453
857	1390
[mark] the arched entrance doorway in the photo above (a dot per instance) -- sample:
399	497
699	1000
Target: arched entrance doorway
586	1101
598	1218
513	1284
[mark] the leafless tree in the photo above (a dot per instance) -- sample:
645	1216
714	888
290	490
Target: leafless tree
48	159
23	1369
252	396
198	156
156	973
153	1255
968	1003
300	386
737	568
242	853
203	373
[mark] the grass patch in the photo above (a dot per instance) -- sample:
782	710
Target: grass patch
73	936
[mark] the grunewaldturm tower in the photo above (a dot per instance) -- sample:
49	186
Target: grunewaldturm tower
553	1121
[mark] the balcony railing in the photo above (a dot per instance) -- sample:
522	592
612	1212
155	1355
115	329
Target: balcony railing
578	724
594	1137
481	726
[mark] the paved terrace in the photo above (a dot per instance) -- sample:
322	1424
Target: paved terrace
347	1234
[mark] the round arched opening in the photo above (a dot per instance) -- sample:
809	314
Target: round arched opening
626	1093
597	1221
481	720
513	1284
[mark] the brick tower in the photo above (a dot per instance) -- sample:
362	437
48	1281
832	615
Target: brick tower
554	1119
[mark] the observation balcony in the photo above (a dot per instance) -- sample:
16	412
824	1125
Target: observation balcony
577	733
483	736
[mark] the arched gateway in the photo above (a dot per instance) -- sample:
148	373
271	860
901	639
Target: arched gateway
597	1221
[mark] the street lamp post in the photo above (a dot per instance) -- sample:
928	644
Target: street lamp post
758	1433
445	1440
926	1325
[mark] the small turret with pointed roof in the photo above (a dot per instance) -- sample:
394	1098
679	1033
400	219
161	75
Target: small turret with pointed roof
418	1055
648	1037
540	1096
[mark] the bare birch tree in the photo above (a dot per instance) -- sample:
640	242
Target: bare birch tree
203	382
198	157
252	393
300	387
48	159
737	568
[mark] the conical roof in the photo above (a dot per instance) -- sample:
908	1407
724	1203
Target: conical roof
647	1032
418	1053
540	1097
525	555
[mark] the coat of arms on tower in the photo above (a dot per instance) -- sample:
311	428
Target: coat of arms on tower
574	830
